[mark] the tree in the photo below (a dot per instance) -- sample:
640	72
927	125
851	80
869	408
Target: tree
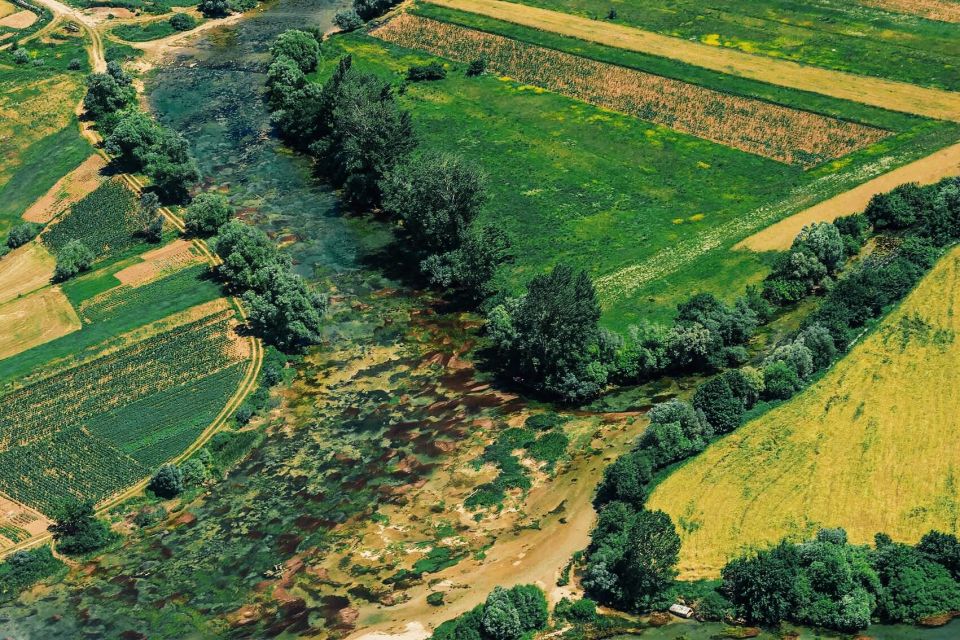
823	240
762	587
531	606
22	234
214	8
207	213
899	208
348	20
368	9
194	472
115	70
132	139
554	335
471	267
105	95
434	197
73	258
424	72
167	482
171	168
299	46
245	251
722	409
780	380
914	587
625	480
284	310
500	620
477	67
76	530
942	548
182	21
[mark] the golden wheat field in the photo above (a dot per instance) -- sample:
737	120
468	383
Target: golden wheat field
874	446
787	135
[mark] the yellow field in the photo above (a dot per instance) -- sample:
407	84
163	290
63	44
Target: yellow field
887	94
6	8
24	270
34	319
874	446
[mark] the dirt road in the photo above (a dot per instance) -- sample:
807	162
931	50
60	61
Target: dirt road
887	94
942	164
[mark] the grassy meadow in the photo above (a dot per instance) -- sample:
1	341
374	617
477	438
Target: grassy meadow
835	34
649	212
870	447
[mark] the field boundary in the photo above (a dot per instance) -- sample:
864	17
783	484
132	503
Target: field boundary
877	92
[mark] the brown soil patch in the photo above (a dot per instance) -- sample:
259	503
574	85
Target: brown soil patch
34	319
159	262
19	20
20	522
887	94
942	164
25	269
773	131
942	10
103	13
68	190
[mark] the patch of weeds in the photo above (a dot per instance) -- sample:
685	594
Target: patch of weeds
549	448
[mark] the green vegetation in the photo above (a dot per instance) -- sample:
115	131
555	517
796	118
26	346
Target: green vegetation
77	531
846	36
167	482
23	569
73	258
507	614
207	213
104	221
146	31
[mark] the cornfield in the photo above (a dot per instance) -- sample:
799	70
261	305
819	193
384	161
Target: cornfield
93	429
787	135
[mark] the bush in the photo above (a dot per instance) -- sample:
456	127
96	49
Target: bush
477	67
21	569
348	20
149	515
74	64
72	259
76	530
583	611
435	598
167	482
22	234
543	421
299	46
214	8
182	21
432	71
20	56
207	213
780	380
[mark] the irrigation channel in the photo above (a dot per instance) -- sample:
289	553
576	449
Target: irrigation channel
373	416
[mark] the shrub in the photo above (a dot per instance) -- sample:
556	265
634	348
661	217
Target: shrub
22	569
214	8
167	482
207	213
780	380
76	530
348	20
149	515
583	611
723	410
435	598
432	71
182	21
72	259
22	234
20	56
74	64
299	46
477	67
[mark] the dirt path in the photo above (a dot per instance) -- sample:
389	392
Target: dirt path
942	164
97	60
564	511
887	94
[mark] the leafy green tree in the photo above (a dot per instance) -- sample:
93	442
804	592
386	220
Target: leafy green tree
501	621
780	380
105	95
348	20
167	482
434	197
76	530
23	568
73	258
942	548
899	208
550	338
182	21
214	8
194	472
171	168
531	606
822	239
245	250
465	627
477	67
132	139
115	70
763	587
284	310
722	409
368	9
207	213
299	46
914	587
625	480
22	234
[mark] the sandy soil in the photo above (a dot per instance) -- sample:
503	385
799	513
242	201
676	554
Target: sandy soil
563	507
172	257
942	10
68	190
34	319
25	269
888	94
19	20
103	13
942	164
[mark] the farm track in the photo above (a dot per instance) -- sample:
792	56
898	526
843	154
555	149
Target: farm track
247	385
877	92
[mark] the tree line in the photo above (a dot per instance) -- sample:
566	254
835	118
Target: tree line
632	552
364	143
282	308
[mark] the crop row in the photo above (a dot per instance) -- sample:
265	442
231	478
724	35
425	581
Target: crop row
791	136
72	397
105	221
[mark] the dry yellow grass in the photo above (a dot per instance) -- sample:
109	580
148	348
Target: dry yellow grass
67	191
942	10
19	20
7	8
874	446
773	131
932	168
887	94
24	270
34	319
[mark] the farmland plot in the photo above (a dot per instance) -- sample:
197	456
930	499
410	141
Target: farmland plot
103	220
943	10
787	135
104	424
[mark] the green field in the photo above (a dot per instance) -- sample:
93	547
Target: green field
145	31
615	195
837	34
